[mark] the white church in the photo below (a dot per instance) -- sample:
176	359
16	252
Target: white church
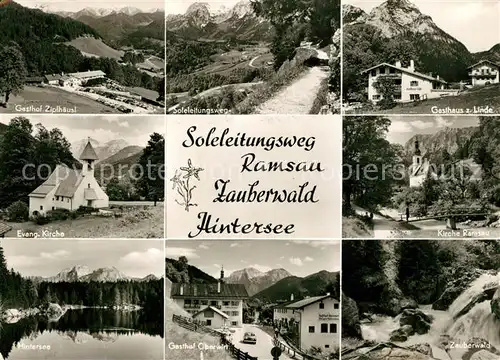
420	168
69	189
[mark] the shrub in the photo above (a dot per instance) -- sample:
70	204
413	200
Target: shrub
41	220
18	211
85	210
58	214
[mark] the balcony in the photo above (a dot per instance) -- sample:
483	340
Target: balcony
486	75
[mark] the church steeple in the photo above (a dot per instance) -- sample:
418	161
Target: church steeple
222	274
417	156
88	158
417	148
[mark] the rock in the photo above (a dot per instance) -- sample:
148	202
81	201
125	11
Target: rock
350	318
408	304
456	286
425	349
386	351
495	303
483	355
402	333
419	321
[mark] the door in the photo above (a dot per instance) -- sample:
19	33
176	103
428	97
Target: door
89	203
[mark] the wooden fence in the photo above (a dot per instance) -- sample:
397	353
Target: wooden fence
197	326
293	352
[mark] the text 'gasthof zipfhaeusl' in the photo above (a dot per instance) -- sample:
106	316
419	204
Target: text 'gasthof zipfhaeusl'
256	191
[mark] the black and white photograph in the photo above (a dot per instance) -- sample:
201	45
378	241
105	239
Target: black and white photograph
426	176
421	57
252	299
81	299
82	177
420	299
253	57
71	57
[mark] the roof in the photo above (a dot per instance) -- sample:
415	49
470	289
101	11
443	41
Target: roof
87	74
484	61
405	70
4	228
90	194
227	291
88	153
283	305
53	77
35	79
63	177
214	309
307	301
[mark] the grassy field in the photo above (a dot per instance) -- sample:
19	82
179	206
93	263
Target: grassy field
95	47
465	102
49	96
136	222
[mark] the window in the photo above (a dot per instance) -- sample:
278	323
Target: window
336	306
67	200
333	328
89	186
414	97
324	328
53	207
311	329
374	72
397	96
208	314
187	302
209	322
41	207
234	303
327	346
414	83
213	303
204	302
225	303
234	323
392	70
235	313
57	198
321	305
375	97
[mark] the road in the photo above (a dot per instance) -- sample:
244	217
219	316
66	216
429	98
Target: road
251	61
297	98
261	350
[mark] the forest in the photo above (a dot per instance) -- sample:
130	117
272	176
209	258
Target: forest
19	292
41	36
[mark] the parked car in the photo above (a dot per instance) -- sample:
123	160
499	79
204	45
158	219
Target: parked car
249	338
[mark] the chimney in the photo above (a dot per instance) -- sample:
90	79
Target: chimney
291	297
182	290
398	64
412	65
218	287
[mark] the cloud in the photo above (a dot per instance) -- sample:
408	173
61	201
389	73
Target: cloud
262	268
142	263
317	243
175	252
54	255
282	257
308	258
442	122
235	245
296	261
203	246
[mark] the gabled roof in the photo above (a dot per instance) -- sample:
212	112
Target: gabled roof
405	70
53	77
88	153
307	301
62	177
484	61
208	291
87	74
214	309
4	228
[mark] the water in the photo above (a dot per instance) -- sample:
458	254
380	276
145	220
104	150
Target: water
85	334
478	322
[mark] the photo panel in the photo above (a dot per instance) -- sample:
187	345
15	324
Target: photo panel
421	177
82	176
420	299
269	299
63	302
252	57
421	57
259	177
70	57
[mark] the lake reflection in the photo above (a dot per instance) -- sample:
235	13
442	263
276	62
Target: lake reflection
88	334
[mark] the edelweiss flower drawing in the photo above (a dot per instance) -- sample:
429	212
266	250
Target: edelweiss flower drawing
181	183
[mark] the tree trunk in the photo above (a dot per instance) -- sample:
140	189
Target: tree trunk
7	95
451	223
155	201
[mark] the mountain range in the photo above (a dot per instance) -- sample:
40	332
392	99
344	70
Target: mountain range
255	280
95	12
84	274
110	152
202	21
435	50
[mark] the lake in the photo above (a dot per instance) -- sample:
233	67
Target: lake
85	334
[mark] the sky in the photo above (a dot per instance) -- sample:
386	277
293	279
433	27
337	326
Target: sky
77	5
474	23
299	257
136	130
180	7
403	127
135	258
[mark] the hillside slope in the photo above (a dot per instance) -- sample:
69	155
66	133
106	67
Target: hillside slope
192	275
90	46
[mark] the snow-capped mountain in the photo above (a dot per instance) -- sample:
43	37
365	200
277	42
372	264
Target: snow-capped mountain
105	274
83	273
103	151
203	20
94	12
71	274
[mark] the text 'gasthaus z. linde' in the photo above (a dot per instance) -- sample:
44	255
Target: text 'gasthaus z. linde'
255	192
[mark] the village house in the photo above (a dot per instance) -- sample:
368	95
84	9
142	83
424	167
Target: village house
73	79
217	305
484	72
69	189
316	320
410	85
83	77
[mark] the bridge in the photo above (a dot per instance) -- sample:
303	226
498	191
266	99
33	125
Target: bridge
450	218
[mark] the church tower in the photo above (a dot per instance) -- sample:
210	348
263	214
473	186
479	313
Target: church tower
222	274
417	156
88	158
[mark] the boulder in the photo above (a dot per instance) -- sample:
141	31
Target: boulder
402	334
456	286
408	304
350	318
425	349
386	351
483	355
419	321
